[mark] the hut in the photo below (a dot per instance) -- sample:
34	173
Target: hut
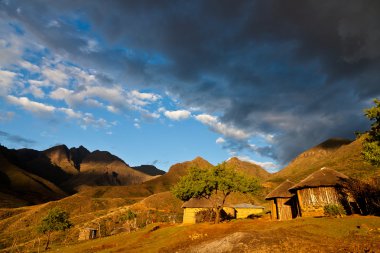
283	203
246	210
87	234
319	189
194	205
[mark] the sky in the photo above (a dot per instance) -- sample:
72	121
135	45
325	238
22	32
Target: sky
161	82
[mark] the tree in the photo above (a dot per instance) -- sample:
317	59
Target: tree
56	220
371	143
214	184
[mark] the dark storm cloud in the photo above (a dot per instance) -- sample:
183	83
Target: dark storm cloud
301	70
16	139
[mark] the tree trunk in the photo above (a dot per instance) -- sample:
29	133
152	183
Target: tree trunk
48	241
217	217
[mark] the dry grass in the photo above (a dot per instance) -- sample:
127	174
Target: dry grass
335	154
349	234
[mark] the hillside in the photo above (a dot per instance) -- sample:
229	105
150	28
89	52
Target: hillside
30	176
156	185
60	156
338	154
102	168
19	187
149	169
248	168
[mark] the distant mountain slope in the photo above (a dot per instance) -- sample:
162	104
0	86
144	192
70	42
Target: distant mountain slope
338	154
35	162
149	169
247	168
74	167
158	184
21	187
60	156
101	168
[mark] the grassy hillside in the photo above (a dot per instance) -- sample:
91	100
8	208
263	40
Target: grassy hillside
248	168
338	154
349	234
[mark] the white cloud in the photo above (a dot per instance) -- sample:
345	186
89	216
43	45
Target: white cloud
29	66
221	128
137	125
56	75
145	96
220	140
36	91
177	115
37	83
61	94
6	80
31	106
112	109
71	113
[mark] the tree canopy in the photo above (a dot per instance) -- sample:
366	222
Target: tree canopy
56	220
214	184
371	144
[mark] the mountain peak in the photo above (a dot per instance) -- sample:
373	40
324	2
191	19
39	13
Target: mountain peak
101	156
332	143
60	147
199	159
247	168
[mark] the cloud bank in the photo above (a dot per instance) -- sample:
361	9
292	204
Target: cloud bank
299	71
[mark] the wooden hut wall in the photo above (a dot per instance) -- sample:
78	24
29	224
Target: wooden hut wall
284	208
313	200
273	209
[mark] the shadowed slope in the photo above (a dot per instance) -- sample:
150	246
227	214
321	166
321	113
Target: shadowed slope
102	168
19	186
149	169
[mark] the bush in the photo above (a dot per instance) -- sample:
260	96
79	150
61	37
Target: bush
127	216
205	216
333	210
365	194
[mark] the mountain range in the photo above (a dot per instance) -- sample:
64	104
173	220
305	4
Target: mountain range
29	176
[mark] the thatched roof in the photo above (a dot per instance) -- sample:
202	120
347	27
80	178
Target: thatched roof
197	203
281	191
205	203
320	178
247	205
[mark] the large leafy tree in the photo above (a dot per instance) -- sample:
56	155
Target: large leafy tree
371	144
214	184
56	220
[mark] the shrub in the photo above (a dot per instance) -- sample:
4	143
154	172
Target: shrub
365	194
333	210
127	216
205	216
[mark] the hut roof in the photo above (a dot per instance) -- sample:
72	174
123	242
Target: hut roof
205	203
197	203
247	205
281	191
322	177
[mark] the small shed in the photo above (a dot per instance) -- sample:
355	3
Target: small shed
283	203
319	189
194	205
87	234
244	210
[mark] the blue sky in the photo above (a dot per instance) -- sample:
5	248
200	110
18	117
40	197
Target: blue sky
163	83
